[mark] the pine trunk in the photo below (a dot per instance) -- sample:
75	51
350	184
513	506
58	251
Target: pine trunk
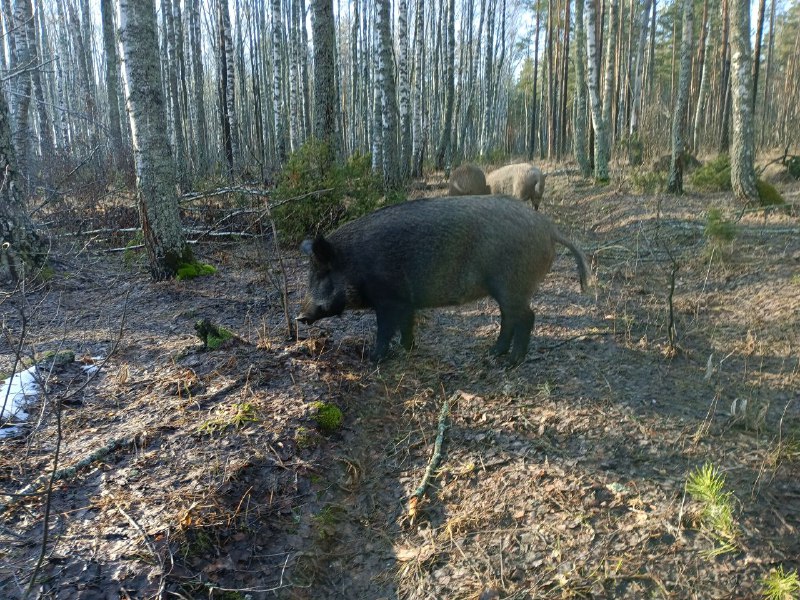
675	184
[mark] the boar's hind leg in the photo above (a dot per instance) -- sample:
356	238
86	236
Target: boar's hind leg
389	321
523	325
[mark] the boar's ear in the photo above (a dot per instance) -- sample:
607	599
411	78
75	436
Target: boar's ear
320	250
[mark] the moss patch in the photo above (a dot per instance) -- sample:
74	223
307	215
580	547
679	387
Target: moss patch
194	269
715	176
328	418
212	335
768	195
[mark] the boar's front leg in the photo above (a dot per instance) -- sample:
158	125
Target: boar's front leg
390	319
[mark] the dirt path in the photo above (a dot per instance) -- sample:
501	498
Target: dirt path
561	478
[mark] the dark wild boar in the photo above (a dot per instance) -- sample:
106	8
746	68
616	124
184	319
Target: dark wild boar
467	180
522	180
436	252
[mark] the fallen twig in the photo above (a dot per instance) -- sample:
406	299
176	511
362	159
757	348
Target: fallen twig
433	463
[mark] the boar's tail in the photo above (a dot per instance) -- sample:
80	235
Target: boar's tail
584	272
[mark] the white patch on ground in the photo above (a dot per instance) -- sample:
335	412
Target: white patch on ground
16	394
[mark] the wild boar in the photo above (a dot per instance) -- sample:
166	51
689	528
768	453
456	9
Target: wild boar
468	180
436	252
522	180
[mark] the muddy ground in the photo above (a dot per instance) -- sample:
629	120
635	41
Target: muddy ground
204	474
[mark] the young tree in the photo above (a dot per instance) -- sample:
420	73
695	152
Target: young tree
155	171
675	184
743	177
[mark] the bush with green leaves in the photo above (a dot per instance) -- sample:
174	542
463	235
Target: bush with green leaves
714	176
315	194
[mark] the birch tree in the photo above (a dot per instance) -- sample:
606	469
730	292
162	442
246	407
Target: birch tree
598	124
404	91
635	153
230	129
111	79
419	128
277	81
155	174
743	178
21	248
385	86
675	184
198	128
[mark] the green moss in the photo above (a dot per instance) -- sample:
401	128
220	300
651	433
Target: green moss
717	228
328	418
212	335
305	438
62	357
714	176
768	195
194	269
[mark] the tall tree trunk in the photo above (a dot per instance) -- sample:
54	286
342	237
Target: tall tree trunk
385	83
22	251
277	81
155	172
404	91
565	79
198	129
111	79
635	154
757	52
326	101
600	136
743	178
579	140
488	74
725	90
447	124
702	93
419	129
534	133
172	74
767	76
22	134
675	184
608	89
230	126
45	137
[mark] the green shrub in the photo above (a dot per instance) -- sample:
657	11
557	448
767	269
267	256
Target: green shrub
714	176
648	182
717	228
768	195
350	190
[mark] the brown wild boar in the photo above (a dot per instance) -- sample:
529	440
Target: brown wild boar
436	252
522	180
468	180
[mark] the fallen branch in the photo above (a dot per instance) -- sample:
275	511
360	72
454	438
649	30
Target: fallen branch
433	463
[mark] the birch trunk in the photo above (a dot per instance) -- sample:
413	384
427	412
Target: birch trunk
579	140
45	137
21	248
635	155
385	83
277	81
608	88
675	184
743	178
598	124
488	73
21	132
178	143
404	91
227	70
702	93
158	203
419	130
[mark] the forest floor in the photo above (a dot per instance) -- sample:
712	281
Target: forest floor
204	474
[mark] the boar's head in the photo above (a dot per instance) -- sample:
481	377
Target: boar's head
326	295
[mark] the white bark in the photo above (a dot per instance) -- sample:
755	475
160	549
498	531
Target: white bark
675	184
743	179
600	139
